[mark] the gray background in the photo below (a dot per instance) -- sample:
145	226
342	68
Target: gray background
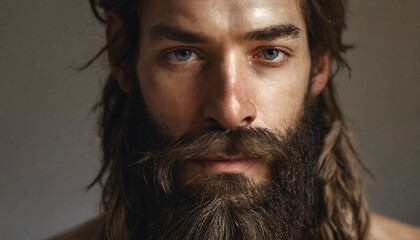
48	143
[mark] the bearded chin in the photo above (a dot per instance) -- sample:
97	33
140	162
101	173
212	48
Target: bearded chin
237	215
262	213
230	206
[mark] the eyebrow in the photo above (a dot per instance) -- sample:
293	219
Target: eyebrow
273	32
160	31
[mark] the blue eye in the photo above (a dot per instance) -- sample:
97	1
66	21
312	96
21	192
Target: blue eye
182	55
271	54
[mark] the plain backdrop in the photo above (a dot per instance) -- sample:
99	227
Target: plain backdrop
48	146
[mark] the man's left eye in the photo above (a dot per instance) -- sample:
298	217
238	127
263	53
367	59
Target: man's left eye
271	54
182	55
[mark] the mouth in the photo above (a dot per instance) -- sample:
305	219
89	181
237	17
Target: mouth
226	164
253	167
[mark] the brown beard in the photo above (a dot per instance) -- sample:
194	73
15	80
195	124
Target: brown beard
228	206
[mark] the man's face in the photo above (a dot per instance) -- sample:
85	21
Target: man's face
224	64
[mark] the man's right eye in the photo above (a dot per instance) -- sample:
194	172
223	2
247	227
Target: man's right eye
182	55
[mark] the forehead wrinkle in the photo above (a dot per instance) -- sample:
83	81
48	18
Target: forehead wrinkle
226	23
256	26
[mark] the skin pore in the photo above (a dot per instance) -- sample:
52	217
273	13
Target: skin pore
222	64
220	125
247	65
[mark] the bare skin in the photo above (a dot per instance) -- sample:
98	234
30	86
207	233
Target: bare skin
247	65
223	78
384	228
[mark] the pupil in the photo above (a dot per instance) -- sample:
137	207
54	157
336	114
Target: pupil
183	54
271	54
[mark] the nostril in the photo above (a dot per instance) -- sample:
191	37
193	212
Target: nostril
214	124
229	112
248	120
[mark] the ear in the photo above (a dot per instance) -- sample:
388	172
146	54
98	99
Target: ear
116	42
321	74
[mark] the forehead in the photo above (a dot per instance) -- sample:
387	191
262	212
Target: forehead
221	16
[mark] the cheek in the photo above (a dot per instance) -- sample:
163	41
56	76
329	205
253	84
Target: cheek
168	101
281	104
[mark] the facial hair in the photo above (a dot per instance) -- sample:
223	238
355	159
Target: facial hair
229	206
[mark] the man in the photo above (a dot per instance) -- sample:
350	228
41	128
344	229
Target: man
219	120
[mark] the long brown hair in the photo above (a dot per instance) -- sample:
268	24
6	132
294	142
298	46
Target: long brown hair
342	211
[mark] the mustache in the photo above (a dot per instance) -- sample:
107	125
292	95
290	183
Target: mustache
260	143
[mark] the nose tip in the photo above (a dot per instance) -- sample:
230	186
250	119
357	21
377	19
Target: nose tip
230	112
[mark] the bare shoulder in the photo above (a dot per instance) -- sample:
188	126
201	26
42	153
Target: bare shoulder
383	228
89	230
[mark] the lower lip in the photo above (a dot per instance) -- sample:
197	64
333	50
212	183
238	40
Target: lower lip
234	166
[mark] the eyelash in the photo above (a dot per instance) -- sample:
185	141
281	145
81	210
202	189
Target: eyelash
260	58
170	55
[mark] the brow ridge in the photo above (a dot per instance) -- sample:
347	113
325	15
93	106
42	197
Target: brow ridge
161	31
273	32
270	33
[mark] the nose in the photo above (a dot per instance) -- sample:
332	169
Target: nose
229	99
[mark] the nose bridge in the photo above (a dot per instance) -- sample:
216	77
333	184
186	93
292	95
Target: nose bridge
230	102
230	81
